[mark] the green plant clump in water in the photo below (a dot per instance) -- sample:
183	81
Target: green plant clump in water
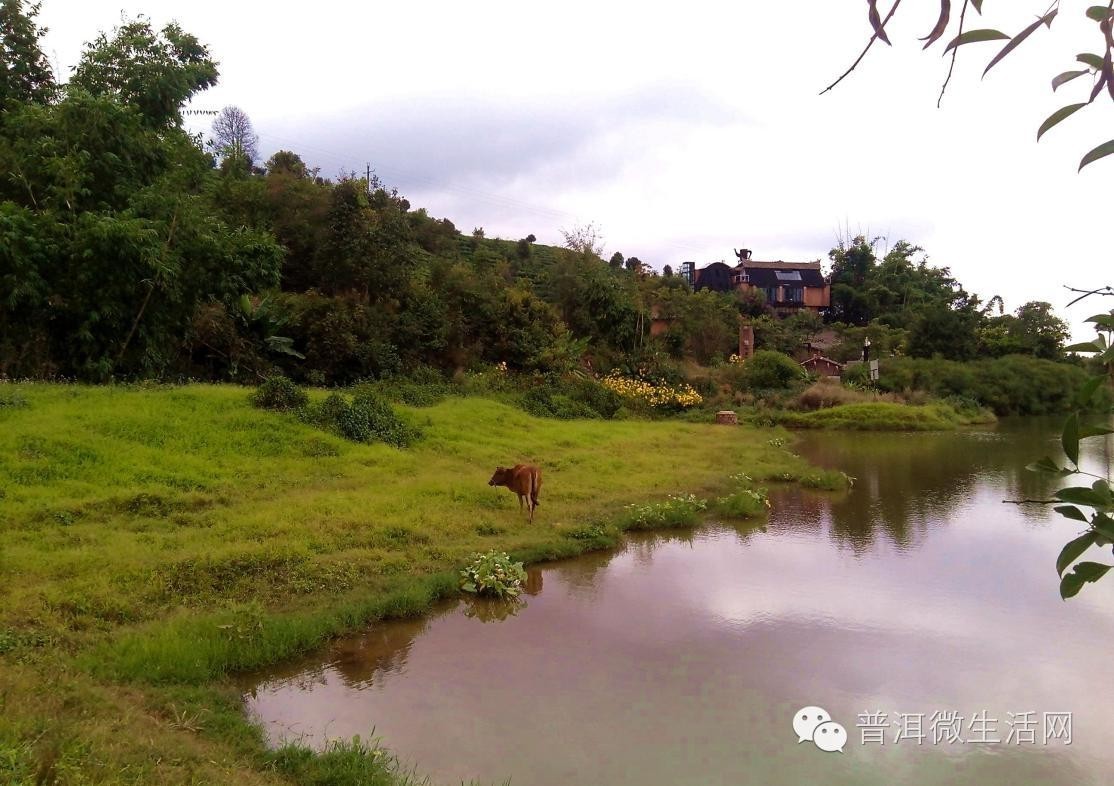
744	503
494	574
677	511
279	393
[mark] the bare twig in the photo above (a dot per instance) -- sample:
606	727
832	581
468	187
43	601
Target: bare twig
866	49
1088	292
955	51
1030	501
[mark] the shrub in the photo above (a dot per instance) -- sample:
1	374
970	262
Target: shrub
768	370
569	399
658	395
370	418
1010	385
493	573
279	393
367	418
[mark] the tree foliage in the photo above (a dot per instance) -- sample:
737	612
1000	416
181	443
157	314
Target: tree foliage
25	73
154	72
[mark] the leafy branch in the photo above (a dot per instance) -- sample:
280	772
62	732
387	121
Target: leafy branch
1099	66
1098	497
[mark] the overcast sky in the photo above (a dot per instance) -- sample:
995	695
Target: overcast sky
682	131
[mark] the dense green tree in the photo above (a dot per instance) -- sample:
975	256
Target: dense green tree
285	162
155	72
852	264
25	73
939	331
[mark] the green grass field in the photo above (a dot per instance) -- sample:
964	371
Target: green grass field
154	540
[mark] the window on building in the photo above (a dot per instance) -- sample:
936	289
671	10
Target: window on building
788	275
771	294
795	294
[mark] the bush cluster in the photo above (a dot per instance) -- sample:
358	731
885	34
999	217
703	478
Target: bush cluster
654	394
769	370
279	393
368	417
1011	385
569	399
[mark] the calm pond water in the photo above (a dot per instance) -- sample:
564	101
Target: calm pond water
683	657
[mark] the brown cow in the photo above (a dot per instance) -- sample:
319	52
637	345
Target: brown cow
525	480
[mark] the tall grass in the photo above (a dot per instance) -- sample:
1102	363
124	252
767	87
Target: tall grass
154	540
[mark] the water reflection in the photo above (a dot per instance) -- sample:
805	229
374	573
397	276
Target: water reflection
906	484
681	658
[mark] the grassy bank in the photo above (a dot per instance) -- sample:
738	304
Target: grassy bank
884	416
154	541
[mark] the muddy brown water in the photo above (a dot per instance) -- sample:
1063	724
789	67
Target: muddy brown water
683	657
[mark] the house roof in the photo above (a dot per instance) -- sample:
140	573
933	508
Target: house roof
821	359
772	274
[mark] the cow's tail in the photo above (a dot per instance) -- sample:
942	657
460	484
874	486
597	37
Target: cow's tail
535	483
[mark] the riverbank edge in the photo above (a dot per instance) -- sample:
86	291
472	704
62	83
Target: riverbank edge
218	699
110	694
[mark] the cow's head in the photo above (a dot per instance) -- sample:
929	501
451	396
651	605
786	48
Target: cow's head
501	476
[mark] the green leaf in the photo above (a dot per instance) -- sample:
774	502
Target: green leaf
1086	431
1087	346
1094	61
1083	573
1049	466
1071	512
1070	438
978	5
975	37
1102	151
1073	550
1103	320
1057	116
1081	495
468	587
1019	38
1098	12
1067	76
1103	525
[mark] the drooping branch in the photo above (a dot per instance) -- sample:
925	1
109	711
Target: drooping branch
955	51
866	49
